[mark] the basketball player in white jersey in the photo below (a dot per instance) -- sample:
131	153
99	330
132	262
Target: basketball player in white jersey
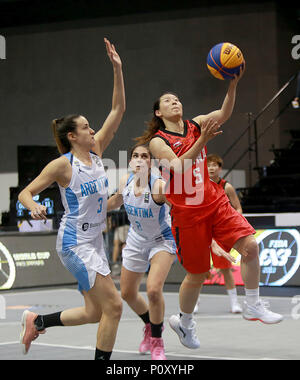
83	186
149	241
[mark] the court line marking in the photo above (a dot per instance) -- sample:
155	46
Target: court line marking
205	295
7	343
90	348
40	291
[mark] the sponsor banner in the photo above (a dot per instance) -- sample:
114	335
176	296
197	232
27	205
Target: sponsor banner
28	260
279	256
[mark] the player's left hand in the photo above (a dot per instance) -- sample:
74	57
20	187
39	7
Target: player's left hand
210	129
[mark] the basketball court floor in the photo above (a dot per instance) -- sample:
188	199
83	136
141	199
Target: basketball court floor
223	336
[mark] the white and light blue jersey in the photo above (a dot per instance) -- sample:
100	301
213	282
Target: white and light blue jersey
149	220
85	203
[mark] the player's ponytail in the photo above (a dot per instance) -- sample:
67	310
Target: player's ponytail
154	124
61	128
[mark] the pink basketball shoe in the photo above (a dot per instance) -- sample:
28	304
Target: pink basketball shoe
157	349
145	344
29	331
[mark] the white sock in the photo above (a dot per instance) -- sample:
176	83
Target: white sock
252	296
232	295
186	319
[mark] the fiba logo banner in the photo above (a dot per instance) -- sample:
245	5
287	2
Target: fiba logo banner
279	255
2	47
7	268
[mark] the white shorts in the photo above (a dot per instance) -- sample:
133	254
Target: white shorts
84	261
136	255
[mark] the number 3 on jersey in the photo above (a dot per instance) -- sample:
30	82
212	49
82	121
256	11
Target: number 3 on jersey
100	201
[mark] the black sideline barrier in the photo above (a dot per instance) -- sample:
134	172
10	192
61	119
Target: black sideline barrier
30	260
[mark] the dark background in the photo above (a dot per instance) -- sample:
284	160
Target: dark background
56	64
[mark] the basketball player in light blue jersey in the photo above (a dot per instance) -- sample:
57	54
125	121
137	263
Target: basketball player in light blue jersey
149	241
83	185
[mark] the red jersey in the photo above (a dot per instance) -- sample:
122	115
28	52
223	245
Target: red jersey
222	183
192	194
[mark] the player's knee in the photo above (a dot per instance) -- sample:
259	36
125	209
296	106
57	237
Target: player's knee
94	316
252	249
248	248
115	309
195	280
128	294
154	294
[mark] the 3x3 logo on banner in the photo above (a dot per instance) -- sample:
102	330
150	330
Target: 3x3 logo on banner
279	255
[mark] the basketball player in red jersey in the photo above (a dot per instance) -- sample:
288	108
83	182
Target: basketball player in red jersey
201	212
215	165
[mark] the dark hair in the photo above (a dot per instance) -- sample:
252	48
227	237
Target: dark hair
154	124
146	146
61	128
213	157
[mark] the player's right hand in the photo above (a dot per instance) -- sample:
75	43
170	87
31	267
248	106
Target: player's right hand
220	251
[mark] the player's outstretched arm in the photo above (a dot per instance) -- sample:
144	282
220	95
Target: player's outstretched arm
223	114
113	120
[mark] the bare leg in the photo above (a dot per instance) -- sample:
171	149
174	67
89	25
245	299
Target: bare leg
189	291
102	301
228	278
130	283
160	266
248	248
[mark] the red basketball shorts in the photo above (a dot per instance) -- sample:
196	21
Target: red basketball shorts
219	262
225	226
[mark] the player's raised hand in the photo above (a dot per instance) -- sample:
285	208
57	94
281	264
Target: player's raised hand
112	53
238	76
